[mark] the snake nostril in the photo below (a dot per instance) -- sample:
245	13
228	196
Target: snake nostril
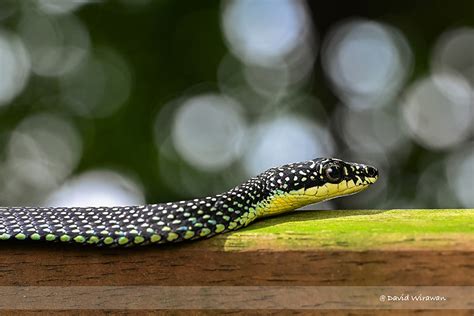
372	172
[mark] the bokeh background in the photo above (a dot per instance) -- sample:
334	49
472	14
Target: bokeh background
132	101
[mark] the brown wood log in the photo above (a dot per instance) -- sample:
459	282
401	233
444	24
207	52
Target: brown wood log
263	255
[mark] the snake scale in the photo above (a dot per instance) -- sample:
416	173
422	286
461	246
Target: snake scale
275	191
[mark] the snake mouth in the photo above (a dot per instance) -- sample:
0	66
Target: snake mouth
364	182
372	180
345	187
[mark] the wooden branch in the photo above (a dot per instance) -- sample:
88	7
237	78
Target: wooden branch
357	248
410	247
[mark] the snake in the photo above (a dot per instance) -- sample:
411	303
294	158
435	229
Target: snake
277	190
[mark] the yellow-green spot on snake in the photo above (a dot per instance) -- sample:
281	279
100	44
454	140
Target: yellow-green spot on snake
155	238
205	232
5	236
50	237
188	234
20	236
219	228
79	239
123	240
35	236
138	239
172	236
93	240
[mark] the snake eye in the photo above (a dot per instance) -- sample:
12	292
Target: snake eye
333	173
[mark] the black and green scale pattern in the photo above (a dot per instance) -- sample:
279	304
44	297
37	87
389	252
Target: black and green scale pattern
134	225
162	223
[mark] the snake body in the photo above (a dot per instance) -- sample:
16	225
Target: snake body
275	191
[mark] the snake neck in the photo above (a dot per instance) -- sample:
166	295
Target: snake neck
258	199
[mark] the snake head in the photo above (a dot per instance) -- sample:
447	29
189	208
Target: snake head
298	184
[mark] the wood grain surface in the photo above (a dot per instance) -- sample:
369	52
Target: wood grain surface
288	250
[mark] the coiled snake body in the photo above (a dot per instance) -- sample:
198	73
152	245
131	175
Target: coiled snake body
275	191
